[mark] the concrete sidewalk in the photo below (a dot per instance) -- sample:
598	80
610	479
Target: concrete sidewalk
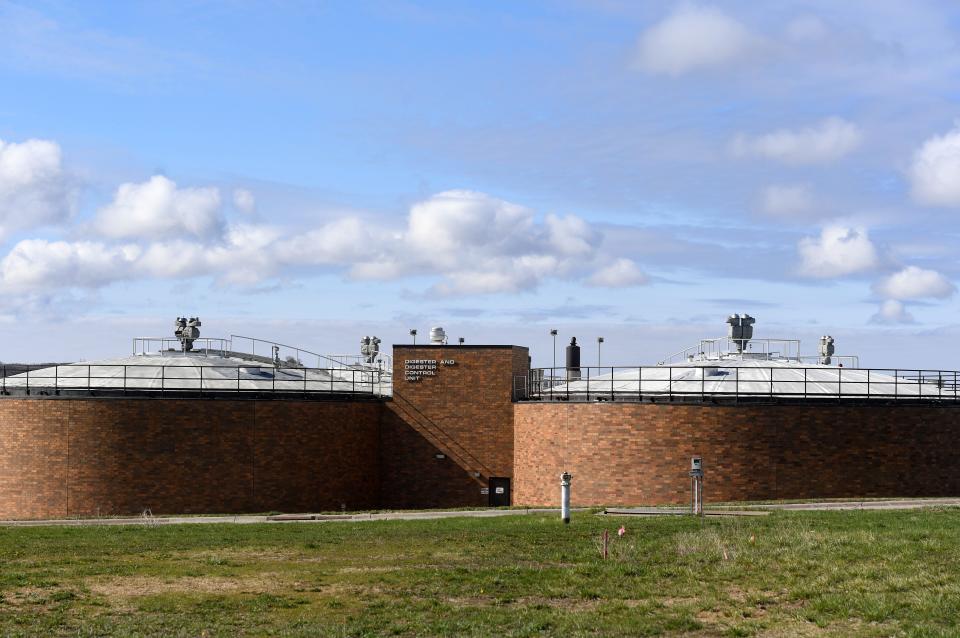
760	509
283	518
891	504
676	511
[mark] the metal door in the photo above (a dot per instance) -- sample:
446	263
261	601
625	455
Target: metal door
499	492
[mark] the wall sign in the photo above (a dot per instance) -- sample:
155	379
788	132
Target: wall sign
416	369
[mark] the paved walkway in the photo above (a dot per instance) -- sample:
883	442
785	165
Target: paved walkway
283	518
720	510
679	511
761	509
892	504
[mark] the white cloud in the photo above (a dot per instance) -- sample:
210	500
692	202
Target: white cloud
35	265
444	227
481	244
838	251
693	38
935	171
915	283
826	141
469	242
787	200
570	235
244	201
34	189
347	240
157	209
620	274
892	311
499	275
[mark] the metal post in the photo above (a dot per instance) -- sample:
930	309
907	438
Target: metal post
553	370
696	486
565	479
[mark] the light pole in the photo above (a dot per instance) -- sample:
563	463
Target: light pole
413	333
553	370
599	341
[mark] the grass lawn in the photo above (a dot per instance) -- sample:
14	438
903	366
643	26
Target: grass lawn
788	574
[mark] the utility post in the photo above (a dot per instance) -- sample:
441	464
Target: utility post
565	479
696	486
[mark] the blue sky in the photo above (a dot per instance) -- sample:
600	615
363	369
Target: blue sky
314	172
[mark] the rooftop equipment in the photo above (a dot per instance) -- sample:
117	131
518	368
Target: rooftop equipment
826	349
187	331
740	330
438	336
573	360
370	348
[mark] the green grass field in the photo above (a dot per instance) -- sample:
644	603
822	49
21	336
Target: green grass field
789	574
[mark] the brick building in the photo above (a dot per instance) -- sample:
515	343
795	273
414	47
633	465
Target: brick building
463	425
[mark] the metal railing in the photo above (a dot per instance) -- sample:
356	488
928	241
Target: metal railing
288	355
383	361
161	379
696	383
169	346
240	345
839	360
788	349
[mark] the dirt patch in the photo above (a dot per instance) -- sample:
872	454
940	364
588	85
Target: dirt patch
240	555
347	589
134	586
25	596
673	601
370	570
565	604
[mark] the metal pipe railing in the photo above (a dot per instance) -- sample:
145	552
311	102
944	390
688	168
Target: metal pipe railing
202	379
603	383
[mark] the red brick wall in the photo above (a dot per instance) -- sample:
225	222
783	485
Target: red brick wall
87	457
623	454
464	412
